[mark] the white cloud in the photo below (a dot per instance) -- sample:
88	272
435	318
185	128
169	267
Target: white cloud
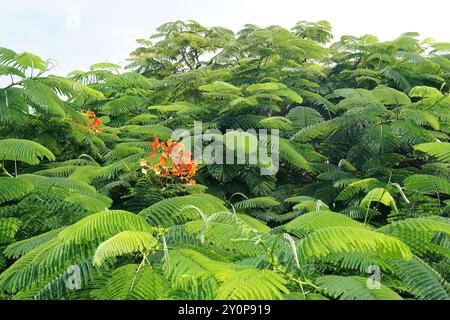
108	28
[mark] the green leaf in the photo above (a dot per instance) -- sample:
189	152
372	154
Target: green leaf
123	105
313	221
420	117
355	187
183	265
331	240
252	284
24	150
418	233
7	70
179	210
440	150
14	188
124	243
379	195
21	248
92	204
103	225
421	279
424	92
29	60
303	117
427	184
43	97
290	154
257	203
8	229
105	65
133	282
354	288
390	96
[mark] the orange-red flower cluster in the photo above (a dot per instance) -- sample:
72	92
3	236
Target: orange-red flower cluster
173	161
94	123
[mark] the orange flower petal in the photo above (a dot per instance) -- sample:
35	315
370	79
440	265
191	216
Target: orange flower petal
162	160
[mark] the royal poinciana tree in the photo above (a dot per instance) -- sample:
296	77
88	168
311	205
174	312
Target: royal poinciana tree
92	205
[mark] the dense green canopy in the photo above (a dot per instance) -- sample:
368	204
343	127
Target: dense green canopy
92	207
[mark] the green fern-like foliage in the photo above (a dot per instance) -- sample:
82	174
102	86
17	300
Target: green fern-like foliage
348	239
358	131
354	288
313	221
353	188
182	209
8	229
117	221
72	245
252	285
14	189
133	282
421	279
23	247
290	154
122	243
380	195
427	184
439	150
257	203
185	265
91	204
24	150
418	233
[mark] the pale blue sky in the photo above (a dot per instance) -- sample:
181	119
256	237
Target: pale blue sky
108	28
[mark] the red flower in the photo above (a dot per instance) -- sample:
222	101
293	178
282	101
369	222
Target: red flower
176	171
162	160
90	114
96	122
181	165
155	143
